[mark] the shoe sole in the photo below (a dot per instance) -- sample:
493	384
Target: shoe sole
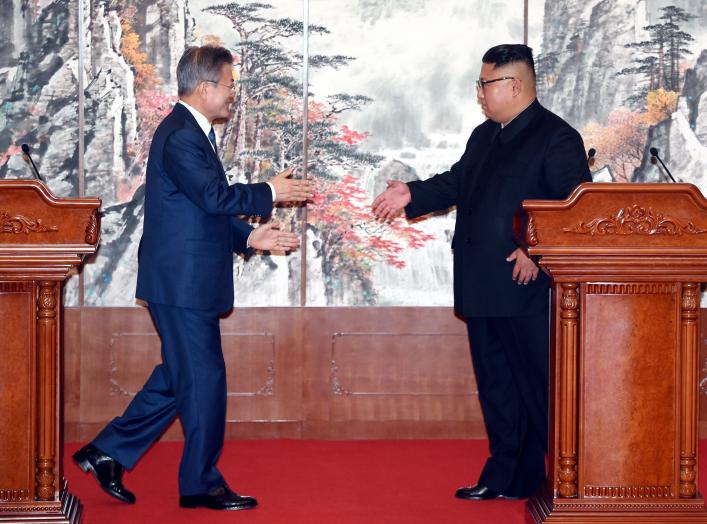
502	497
227	508
87	467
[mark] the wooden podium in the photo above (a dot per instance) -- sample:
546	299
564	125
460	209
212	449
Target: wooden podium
42	239
627	261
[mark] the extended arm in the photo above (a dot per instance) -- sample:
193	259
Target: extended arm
187	164
422	196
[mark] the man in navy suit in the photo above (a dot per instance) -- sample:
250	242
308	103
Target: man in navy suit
522	151
185	275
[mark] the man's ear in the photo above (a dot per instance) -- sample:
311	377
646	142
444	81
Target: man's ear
517	86
201	89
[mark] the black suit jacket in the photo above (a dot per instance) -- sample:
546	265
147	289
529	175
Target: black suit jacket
537	155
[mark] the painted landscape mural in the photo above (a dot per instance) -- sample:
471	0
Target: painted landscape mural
391	95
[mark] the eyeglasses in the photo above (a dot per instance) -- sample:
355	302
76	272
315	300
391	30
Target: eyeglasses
480	84
232	87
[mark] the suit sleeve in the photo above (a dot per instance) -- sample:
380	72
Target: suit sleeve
565	163
188	165
240	231
438	192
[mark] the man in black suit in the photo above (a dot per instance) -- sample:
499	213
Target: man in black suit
522	151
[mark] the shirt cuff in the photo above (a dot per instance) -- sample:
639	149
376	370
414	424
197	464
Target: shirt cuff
247	240
272	188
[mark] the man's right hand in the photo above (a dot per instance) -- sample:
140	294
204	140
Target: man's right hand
391	201
291	189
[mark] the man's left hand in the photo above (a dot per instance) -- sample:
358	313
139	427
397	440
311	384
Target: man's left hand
268	237
525	269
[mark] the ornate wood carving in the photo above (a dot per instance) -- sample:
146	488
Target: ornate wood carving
531	236
568	377
620	492
656	506
21	224
92	228
636	220
46	355
14	495
637	288
24	509
688	372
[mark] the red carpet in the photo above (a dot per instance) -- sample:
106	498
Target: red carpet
331	482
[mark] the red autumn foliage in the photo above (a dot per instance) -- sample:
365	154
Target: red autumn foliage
341	212
152	103
349	136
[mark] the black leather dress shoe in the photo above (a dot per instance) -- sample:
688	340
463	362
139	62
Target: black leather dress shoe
480	492
107	471
218	498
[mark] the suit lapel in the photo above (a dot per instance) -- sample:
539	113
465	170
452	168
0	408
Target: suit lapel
206	143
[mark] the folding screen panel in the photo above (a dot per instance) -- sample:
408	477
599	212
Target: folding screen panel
392	97
132	52
630	76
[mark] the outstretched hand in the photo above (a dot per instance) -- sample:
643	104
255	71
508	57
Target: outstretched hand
291	189
268	237
392	201
524	269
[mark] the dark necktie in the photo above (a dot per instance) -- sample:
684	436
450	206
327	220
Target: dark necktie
212	139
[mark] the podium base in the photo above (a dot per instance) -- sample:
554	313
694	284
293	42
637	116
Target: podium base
542	508
66	510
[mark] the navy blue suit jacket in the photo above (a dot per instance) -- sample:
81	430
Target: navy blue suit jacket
190	232
537	155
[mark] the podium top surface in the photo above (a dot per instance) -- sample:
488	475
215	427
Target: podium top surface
33	220
627	219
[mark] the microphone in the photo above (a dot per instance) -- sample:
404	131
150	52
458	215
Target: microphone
654	156
590	156
25	151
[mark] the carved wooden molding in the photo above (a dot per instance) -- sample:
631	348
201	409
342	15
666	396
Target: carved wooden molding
568	384
633	492
92	228
13	495
16	287
624	506
636	220
688	390
18	224
531	235
47	362
23	509
642	288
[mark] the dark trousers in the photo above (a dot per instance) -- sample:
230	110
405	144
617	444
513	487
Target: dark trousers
191	384
510	357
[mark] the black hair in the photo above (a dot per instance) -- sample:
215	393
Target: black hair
508	54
